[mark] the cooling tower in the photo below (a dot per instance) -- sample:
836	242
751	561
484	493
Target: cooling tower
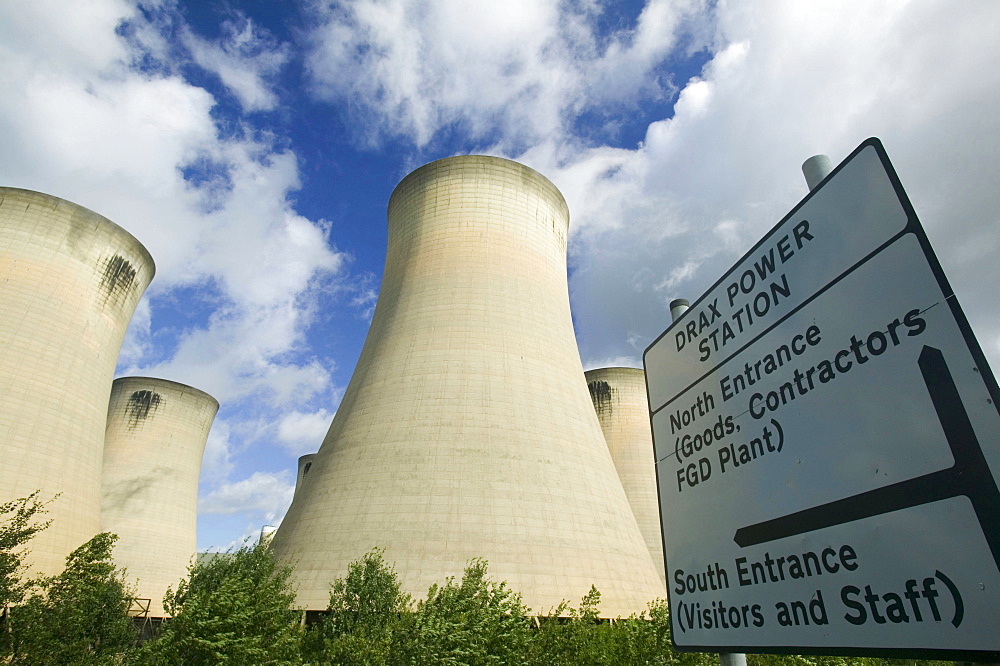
70	282
305	464
619	396
466	430
156	436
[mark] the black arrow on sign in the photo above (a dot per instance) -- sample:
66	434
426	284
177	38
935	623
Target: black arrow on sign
969	476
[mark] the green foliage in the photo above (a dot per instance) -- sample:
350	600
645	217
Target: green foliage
645	639
475	622
368	599
79	617
233	609
362	617
16	529
567	635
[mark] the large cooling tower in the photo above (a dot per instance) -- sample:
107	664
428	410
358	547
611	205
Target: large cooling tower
466	430
619	396
69	282
156	436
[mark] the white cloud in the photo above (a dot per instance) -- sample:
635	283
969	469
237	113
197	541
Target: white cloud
247	60
75	40
137	343
80	122
628	68
512	73
301	433
243	353
262	494
217	462
787	80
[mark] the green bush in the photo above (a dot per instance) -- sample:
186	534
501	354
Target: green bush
18	526
232	609
477	622
235	609
566	635
78	618
363	616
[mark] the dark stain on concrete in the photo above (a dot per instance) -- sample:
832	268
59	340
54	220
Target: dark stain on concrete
139	406
602	395
119	277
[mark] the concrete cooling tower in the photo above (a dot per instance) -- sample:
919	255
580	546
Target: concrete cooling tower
466	430
305	465
619	396
69	283
156	434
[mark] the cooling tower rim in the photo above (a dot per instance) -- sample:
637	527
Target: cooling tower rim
616	375
165	383
615	369
84	212
308	455
535	176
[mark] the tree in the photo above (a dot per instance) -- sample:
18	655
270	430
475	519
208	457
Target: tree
18	526
363	616
475	622
233	609
567	636
640	640
576	636
79	617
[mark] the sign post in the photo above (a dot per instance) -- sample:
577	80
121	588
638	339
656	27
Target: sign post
828	442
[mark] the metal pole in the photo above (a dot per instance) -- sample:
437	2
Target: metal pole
732	659
815	169
678	307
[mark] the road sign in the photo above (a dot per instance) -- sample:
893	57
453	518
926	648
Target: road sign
828	442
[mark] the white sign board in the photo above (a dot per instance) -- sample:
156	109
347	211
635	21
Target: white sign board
828	442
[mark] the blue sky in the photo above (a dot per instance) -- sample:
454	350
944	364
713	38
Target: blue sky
252	147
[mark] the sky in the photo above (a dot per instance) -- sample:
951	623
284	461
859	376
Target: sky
252	146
